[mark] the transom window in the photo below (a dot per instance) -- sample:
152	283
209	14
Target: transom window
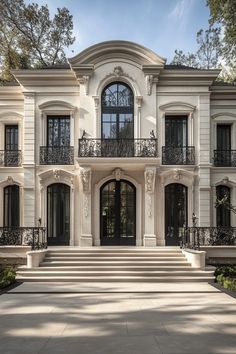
117	112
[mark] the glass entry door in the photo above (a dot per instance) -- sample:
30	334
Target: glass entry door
176	210
58	214
118	213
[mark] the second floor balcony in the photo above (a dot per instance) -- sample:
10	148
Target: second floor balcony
10	158
118	147
56	155
225	158
178	155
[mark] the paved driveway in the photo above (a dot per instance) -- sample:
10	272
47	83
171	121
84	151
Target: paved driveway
117	319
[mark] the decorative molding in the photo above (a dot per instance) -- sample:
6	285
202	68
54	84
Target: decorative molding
182	176
57	103
177	106
96	101
85	176
10	115
177	175
223	114
9	181
139	101
28	94
149	83
50	176
150	174
226	182
119	73
56	174
118	173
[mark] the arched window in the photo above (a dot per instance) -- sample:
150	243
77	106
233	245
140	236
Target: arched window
11	206
222	213
117	112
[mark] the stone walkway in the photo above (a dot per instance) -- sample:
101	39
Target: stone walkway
117	319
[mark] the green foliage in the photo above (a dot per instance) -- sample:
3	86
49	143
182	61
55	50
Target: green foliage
29	37
224	13
208	54
226	271
7	276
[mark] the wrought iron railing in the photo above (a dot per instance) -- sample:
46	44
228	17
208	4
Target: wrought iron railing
178	155
10	158
56	155
35	237
195	237
118	147
225	158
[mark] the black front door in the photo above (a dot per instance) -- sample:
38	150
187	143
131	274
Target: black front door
176	201
118	213
58	214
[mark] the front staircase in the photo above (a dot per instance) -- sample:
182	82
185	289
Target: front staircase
101	264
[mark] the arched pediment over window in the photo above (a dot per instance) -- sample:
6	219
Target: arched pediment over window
117	50
57	104
177	106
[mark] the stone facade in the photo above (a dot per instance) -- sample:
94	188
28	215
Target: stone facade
159	90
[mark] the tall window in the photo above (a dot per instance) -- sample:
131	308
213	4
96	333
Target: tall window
58	131
11	137
222	213
11	206
176	131
117	112
223	137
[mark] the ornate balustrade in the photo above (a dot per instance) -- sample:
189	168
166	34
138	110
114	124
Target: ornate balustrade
195	237
178	155
117	148
56	155
11	158
35	237
225	158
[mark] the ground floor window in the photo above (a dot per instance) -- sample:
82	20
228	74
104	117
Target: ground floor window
176	213
58	214
222	212
11	207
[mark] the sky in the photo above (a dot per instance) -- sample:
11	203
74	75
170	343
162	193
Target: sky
160	25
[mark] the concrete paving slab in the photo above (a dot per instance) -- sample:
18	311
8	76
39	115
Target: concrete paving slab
162	318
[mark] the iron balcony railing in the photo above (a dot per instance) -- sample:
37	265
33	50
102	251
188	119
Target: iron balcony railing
178	155
35	237
10	158
56	155
225	158
117	147
195	237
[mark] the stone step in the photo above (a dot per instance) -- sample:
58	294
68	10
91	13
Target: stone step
156	263
115	267
108	279
107	249
105	273
115	258
114	255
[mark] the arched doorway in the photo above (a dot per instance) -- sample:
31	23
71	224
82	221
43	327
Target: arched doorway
118	213
11	207
58	214
176	213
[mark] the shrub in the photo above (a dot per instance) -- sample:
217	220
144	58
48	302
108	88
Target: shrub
7	276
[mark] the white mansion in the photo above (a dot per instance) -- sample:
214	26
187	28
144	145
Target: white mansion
116	148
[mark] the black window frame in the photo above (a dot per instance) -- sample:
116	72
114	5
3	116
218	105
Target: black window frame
223	215
117	110
59	119
11	206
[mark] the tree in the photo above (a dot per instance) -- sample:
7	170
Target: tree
208	54
188	59
29	37
209	50
224	13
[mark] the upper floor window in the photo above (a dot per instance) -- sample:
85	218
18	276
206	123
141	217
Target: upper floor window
117	112
11	206
58	131
176	131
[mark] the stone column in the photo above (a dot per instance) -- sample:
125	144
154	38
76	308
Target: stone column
149	239
86	239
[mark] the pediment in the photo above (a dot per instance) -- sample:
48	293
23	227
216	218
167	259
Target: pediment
116	50
177	106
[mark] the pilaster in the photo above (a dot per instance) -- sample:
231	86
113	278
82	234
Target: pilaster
149	239
86	239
